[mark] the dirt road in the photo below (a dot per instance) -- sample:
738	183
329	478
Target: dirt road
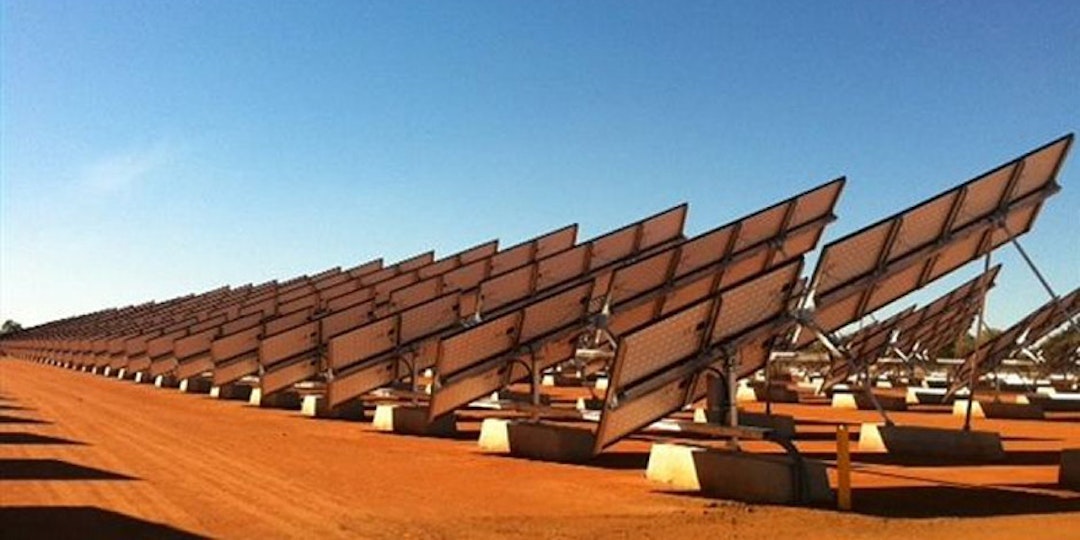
99	457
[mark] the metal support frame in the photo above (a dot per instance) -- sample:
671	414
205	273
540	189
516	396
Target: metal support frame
1042	279
826	340
973	376
731	368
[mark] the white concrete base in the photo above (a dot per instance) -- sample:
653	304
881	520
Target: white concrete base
311	405
215	391
256	397
197	386
760	478
601	383
959	408
384	418
1022	400
673	464
550	442
844	401
314	405
108	369
937	443
428	373
93	370
745	394
139	377
870	438
910	398
493	436
120	373
547	380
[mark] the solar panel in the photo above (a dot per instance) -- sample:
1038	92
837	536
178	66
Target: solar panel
867	345
233	355
303	344
350	354
1039	323
870	268
947	315
640	291
657	368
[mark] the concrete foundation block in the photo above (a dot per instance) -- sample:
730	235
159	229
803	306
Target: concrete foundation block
745	394
494	436
870	438
141	377
285	399
673	464
547	380
414	421
1014	411
911	397
384	418
550	442
887	402
523	397
1069	473
761	478
314	405
120	373
165	381
844	401
1058	402
196	385
940	443
107	371
601	383
959	408
94	370
932	396
241	392
777	392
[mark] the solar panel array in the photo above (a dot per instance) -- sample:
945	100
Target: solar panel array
907	329
1044	320
880	263
668	309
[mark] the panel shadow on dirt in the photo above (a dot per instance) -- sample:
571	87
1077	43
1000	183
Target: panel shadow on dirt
53	469
85	522
8	419
953	501
33	438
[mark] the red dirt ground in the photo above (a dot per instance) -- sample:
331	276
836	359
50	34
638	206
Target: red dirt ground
130	460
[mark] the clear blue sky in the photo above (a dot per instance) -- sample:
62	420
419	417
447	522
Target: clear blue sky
155	148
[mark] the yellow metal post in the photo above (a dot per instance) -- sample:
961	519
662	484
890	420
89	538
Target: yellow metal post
843	468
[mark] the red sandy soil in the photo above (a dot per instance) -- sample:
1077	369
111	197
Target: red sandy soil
131	460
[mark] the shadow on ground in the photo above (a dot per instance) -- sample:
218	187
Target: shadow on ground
84	522
33	438
53	469
6	419
954	501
